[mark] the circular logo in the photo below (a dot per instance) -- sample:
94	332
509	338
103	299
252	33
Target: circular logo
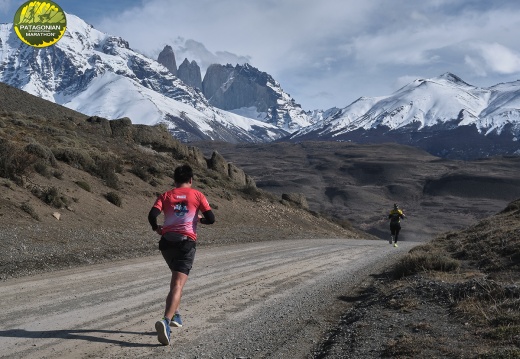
40	23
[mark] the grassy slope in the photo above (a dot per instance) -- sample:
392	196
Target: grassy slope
457	296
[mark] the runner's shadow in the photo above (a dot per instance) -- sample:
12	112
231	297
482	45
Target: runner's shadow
81	334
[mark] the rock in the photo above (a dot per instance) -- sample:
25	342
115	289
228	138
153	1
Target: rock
56	215
196	155
167	59
103	123
237	175
218	163
121	127
189	73
296	198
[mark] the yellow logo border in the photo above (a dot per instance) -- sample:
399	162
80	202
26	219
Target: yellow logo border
40	23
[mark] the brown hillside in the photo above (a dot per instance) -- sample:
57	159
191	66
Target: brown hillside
77	190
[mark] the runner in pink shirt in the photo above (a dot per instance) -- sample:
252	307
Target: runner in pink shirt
181	207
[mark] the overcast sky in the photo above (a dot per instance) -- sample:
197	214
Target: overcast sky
324	53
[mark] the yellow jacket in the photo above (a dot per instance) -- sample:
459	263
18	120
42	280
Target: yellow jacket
395	215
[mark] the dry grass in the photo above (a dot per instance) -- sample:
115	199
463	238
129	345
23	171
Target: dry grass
475	274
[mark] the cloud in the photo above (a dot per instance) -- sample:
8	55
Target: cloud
499	58
476	65
405	80
344	48
5	7
196	51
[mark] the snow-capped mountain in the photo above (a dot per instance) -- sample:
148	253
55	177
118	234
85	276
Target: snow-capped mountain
443	115
98	74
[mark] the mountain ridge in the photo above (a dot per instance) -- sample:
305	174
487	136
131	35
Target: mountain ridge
85	56
429	110
99	74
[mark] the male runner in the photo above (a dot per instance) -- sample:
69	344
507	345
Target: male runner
395	223
181	207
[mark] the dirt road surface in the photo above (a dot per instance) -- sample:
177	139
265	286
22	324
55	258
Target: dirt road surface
270	299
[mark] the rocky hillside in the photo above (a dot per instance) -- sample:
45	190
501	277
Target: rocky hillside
77	189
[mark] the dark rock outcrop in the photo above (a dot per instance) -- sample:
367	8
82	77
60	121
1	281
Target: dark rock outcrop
244	86
298	199
218	163
229	88
189	73
236	174
167	58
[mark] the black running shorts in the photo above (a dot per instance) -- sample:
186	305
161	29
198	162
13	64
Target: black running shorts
395	228
178	255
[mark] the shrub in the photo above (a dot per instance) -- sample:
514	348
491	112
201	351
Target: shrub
14	161
58	174
84	185
75	158
106	169
42	169
114	198
51	196
141	172
414	263
26	207
42	152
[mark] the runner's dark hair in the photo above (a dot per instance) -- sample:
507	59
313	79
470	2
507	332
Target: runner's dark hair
183	174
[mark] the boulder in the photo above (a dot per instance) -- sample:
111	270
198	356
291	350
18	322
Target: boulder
236	175
298	199
103	123
121	127
218	163
196	155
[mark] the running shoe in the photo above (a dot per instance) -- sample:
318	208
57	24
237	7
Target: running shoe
391	239
395	244
176	320
163	331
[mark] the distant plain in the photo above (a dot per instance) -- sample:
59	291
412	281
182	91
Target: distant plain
360	183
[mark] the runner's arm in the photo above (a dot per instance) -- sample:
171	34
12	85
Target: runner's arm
209	217
152	217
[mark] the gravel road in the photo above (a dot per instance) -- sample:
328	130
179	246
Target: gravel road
271	299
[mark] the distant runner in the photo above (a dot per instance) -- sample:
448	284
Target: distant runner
181	207
395	223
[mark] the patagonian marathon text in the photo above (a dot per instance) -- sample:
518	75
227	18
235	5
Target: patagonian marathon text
40	27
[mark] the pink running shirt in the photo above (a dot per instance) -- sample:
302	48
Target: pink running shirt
181	207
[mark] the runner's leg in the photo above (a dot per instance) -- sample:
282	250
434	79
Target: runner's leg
173	300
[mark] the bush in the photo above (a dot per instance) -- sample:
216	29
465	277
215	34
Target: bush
42	152
414	263
58	174
84	185
14	161
106	169
51	196
141	172
42	169
75	158
114	198
26	207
